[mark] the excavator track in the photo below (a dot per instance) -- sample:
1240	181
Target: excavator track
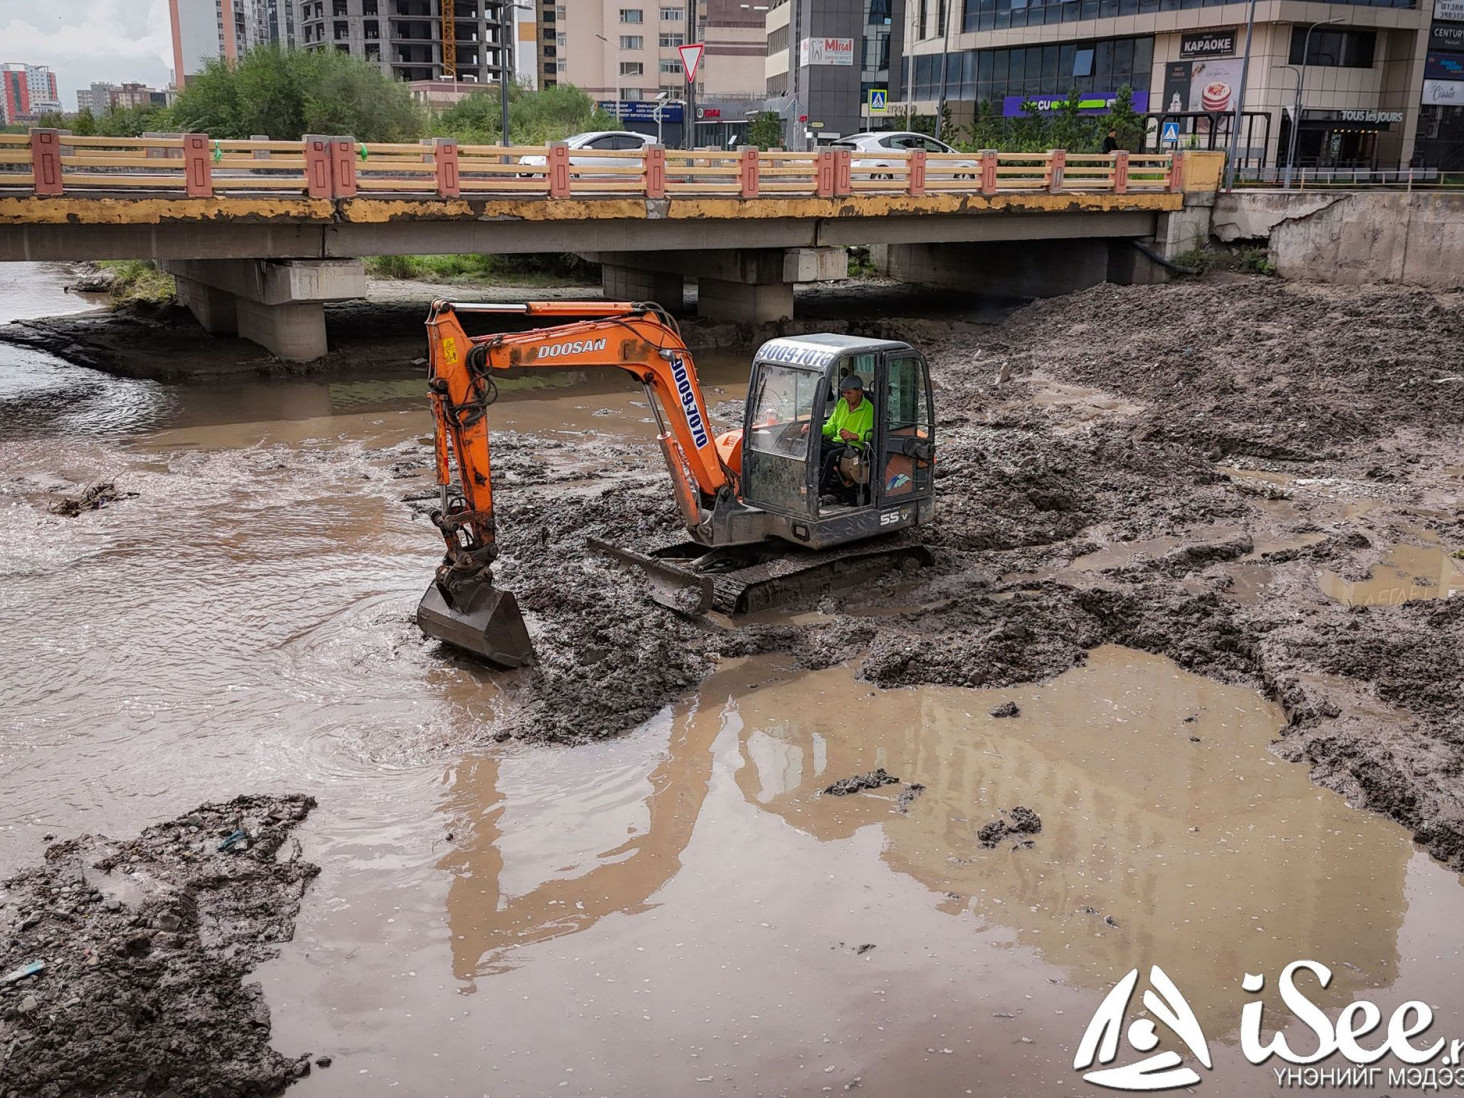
692	579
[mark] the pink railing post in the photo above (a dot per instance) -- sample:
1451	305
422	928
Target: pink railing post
1120	171
46	161
655	169
843	172
988	171
748	169
1176	172
1056	165
557	165
445	160
343	166
197	166
824	174
318	183
917	172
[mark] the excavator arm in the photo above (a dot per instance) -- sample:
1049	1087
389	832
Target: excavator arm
462	606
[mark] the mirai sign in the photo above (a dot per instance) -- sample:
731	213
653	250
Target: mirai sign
833	51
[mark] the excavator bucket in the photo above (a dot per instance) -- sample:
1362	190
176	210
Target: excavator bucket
486	623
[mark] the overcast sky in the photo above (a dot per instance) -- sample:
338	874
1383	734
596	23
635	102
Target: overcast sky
87	40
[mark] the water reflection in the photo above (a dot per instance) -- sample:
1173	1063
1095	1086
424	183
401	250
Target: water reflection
1170	834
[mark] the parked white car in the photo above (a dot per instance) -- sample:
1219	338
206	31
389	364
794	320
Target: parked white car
871	151
601	141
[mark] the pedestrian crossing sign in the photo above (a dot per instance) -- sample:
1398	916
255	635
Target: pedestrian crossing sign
879	99
1170	133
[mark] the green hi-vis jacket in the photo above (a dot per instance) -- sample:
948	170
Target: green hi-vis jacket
860	420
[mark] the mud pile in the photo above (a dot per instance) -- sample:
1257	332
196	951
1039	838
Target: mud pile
144	945
1134	421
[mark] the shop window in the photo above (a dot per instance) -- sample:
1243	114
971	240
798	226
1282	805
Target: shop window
1346	49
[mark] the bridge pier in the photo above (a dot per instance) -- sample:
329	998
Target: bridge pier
742	285
622	283
1037	268
279	304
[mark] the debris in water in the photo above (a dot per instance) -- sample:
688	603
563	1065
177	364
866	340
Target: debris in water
907	796
94	498
1022	821
1006	709
22	972
863	949
233	840
873	780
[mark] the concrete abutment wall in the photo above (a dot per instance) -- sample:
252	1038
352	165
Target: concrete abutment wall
1352	237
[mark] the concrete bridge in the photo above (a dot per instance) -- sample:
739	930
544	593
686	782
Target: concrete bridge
259	234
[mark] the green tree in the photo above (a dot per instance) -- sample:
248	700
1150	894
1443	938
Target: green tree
1127	121
51	120
85	123
131	121
765	130
534	117
286	94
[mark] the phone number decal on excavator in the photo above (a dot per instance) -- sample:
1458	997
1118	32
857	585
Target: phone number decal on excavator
688	401
578	346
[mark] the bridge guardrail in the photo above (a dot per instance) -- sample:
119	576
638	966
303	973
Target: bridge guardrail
49	162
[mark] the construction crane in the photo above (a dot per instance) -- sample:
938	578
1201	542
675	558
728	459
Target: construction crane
449	39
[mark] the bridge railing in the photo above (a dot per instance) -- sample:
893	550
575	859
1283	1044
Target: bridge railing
51	163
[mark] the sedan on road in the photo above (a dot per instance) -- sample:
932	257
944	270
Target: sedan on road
871	152
601	141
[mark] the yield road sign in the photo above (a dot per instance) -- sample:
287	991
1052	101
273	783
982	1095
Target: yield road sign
691	55
1170	133
879	99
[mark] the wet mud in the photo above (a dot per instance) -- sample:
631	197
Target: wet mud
141	951
1174	469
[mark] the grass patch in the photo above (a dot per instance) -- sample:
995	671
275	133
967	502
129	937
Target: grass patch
546	269
1208	256
137	284
860	265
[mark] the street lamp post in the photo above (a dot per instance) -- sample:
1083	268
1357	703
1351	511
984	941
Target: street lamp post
602	38
507	43
1250	29
945	53
1296	110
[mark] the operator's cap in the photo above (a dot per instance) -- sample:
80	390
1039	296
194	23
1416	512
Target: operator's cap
850	381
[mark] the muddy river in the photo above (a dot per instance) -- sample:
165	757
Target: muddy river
678	911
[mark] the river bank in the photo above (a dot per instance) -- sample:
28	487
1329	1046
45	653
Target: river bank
1186	537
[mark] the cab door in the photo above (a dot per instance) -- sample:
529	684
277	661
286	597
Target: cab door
905	432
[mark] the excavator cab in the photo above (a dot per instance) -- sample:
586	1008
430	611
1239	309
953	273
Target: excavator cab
883	485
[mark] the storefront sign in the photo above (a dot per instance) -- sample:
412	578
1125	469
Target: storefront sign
1210	43
1446	36
1443	93
641	110
1213	84
1092	103
1451	11
1444	66
1373	118
834	51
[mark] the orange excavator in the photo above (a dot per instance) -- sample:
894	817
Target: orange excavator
760	528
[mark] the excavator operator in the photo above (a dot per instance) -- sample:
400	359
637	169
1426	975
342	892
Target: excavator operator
851	423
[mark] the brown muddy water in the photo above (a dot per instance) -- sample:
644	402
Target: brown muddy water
676	911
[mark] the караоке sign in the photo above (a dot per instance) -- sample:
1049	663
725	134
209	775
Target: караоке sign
1209	43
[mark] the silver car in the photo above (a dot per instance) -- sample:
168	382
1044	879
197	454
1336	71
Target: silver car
872	152
601	141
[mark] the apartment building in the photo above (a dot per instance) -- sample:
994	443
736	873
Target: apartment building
628	51
204	30
26	93
1350	78
406	37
